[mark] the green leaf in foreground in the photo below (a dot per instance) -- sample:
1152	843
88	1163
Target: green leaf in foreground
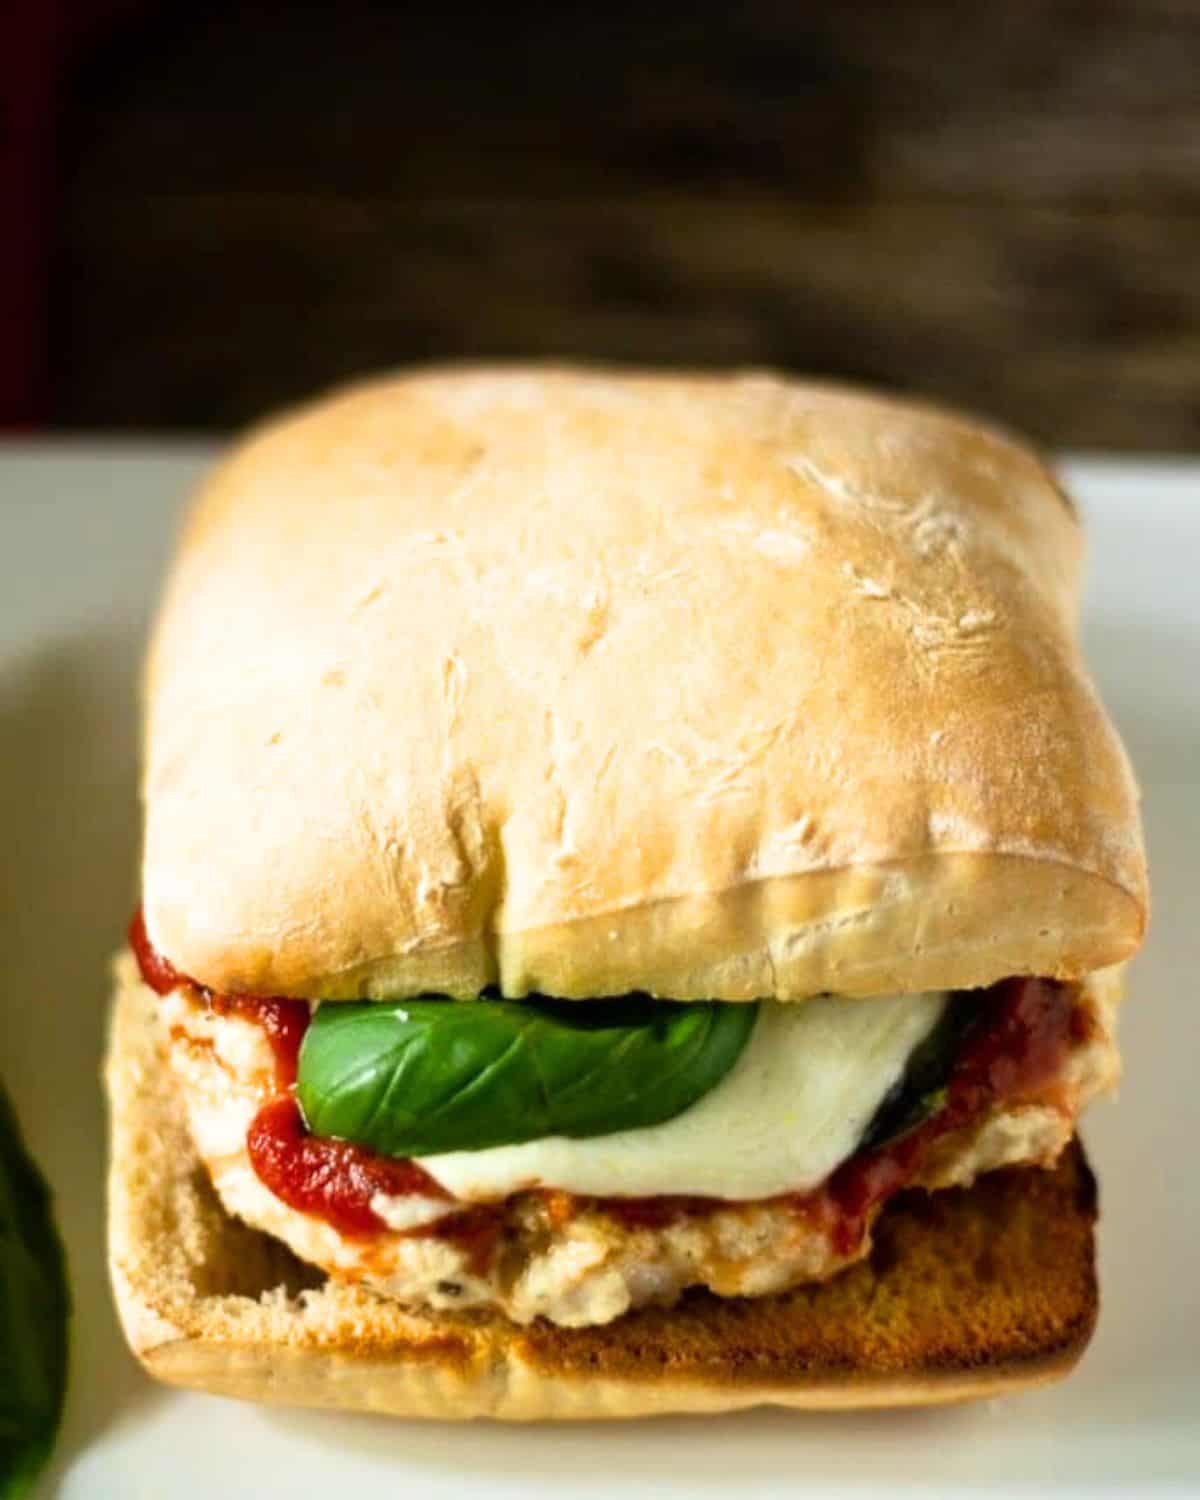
34	1307
417	1077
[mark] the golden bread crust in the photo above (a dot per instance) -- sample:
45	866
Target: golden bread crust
968	1293
584	682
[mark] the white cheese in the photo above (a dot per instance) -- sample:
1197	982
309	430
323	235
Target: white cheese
409	1210
792	1108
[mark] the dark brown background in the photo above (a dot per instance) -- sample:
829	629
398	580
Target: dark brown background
997	203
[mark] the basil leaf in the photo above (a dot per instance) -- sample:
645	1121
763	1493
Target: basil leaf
921	1089
417	1077
34	1307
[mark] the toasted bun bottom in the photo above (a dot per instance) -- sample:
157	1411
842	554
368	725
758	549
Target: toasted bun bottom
968	1293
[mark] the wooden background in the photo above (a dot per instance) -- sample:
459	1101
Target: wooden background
996	203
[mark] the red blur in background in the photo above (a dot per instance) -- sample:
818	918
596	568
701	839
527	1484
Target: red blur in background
39	40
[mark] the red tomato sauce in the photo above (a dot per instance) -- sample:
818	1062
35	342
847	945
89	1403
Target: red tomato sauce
158	972
329	1179
1013	1053
332	1180
655	1213
284	1021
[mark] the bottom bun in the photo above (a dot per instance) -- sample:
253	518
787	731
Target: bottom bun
968	1293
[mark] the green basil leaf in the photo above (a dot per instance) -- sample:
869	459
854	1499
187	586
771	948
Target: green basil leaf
34	1308
921	1089
417	1077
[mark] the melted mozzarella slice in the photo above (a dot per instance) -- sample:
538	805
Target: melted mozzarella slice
791	1109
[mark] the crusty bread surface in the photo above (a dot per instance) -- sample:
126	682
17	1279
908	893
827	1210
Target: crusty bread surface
587	682
968	1293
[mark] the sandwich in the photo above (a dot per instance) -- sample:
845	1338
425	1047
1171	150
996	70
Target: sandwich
635	888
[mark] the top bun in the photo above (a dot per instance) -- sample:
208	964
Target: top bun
586	682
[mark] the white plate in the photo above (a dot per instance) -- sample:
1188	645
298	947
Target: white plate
84	530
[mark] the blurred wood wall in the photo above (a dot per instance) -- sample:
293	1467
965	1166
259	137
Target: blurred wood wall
995	203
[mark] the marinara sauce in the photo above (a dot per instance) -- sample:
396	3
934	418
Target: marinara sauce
1013	1053
330	1179
284	1021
